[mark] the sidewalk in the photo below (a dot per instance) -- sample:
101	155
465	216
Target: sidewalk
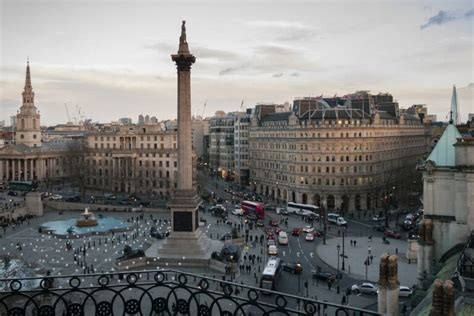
356	256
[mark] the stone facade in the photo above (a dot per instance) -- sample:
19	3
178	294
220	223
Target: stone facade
241	149
133	158
448	193
340	155
221	151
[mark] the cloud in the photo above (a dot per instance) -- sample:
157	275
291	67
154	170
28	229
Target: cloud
444	17
200	52
231	70
295	74
271	60
285	31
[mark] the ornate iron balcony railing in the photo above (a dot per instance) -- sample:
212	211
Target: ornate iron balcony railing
152	292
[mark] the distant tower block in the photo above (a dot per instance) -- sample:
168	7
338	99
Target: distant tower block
186	239
454	115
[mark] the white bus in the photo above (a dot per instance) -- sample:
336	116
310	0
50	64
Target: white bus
283	238
303	209
336	219
270	274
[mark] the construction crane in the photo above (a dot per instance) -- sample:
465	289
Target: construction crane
204	109
67	113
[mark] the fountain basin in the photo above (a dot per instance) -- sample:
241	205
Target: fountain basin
68	228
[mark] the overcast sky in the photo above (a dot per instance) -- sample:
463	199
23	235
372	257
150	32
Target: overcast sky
112	58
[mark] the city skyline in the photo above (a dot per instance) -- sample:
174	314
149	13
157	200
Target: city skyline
115	59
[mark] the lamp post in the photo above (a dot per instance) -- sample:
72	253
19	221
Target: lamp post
343	267
367	263
338	248
323	204
298	268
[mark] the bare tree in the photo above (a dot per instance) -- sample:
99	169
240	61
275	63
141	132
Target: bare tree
76	165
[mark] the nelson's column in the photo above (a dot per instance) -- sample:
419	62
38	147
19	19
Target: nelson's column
186	239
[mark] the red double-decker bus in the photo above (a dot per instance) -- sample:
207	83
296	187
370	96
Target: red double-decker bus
253	210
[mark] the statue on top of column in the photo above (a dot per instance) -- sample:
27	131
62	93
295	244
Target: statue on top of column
182	38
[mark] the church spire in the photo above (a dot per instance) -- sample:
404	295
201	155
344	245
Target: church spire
28	94
28	86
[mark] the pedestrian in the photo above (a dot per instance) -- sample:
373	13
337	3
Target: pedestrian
371	259
370	250
329	285
355	242
344	299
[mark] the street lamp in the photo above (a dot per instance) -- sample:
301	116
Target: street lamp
338	248
343	268
323	205
298	268
367	263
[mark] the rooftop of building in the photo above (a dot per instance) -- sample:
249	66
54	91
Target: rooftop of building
45	147
444	154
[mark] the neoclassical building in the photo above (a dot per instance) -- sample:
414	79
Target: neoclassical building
133	158
27	158
349	153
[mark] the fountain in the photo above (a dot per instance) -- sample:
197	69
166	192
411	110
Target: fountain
86	225
87	219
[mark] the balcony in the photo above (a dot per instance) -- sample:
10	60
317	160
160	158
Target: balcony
152	292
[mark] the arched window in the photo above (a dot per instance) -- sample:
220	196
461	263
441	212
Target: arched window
22	123
34	123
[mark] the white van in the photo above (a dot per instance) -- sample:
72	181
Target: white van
283	238
336	219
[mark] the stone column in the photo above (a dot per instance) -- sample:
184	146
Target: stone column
186	239
443	298
383	282
428	256
13	169
31	170
1	169
8	165
393	287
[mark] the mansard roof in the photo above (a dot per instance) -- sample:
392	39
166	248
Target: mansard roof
279	116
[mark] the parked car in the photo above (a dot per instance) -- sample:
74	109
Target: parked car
271	242
366	288
317	233
294	267
56	197
378	218
281	210
238	211
218	210
379	227
272	250
296	231
75	198
12	193
405	291
392	234
309	237
324	276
